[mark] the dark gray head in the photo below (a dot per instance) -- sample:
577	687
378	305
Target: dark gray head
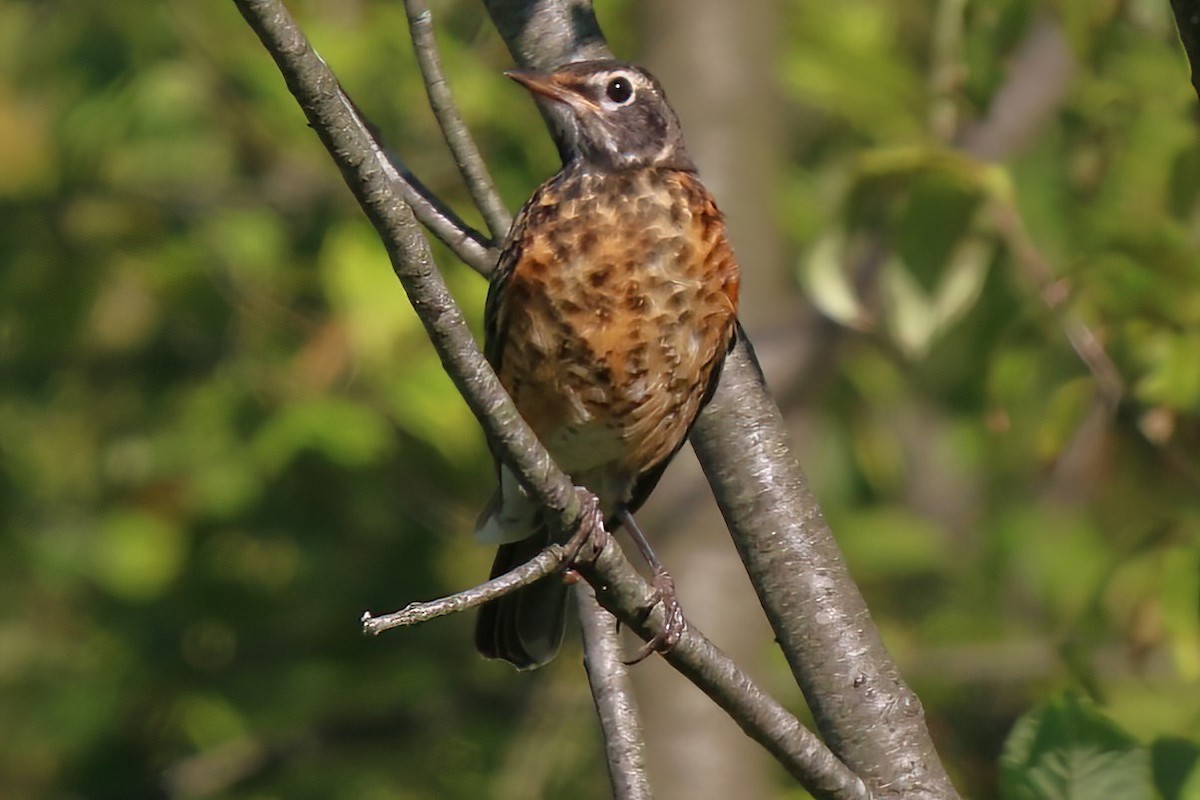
614	116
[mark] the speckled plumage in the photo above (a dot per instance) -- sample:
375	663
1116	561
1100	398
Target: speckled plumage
608	318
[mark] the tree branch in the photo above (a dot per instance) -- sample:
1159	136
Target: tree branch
869	716
635	602
369	176
458	137
545	563
471	246
616	707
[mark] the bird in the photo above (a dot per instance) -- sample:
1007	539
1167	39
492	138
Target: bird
608	317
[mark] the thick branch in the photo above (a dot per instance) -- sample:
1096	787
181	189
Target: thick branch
870	717
613	694
866	712
543	34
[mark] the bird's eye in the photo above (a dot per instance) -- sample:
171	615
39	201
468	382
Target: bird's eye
619	90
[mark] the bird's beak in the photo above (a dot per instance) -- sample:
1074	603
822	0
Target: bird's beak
545	84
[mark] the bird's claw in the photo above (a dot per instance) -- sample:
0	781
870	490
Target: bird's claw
674	623
589	534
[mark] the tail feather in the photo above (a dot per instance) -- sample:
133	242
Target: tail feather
524	628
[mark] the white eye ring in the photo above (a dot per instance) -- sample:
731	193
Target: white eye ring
618	91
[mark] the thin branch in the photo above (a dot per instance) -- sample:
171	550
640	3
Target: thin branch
612	692
544	563
1054	293
458	137
620	588
471	246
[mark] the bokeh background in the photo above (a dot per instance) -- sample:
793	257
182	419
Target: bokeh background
223	435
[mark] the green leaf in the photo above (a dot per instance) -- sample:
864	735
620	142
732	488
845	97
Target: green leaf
826	281
1176	768
1067	750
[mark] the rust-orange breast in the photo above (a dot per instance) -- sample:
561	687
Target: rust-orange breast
618	303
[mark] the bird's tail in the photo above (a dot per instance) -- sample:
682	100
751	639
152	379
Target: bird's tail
525	627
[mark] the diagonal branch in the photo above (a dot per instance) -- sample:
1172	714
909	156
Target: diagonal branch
369	176
458	138
471	246
869	716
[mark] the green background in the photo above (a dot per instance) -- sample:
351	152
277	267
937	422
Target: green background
223	435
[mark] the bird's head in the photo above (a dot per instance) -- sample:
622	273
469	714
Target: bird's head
612	115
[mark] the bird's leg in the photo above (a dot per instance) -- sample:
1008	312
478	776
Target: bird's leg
674	623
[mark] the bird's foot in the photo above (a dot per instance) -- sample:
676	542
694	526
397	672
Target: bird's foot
590	536
674	623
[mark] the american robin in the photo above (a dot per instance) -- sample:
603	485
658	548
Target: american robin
608	318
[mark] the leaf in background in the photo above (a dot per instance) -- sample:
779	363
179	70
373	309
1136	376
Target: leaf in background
363	290
1176	768
916	317
823	276
1067	750
1172	375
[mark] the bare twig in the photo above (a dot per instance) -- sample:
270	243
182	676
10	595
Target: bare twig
612	692
458	137
544	563
471	246
1054	293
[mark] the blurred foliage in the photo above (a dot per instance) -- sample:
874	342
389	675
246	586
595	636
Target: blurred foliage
223	435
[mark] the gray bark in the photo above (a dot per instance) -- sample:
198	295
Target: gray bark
863	707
